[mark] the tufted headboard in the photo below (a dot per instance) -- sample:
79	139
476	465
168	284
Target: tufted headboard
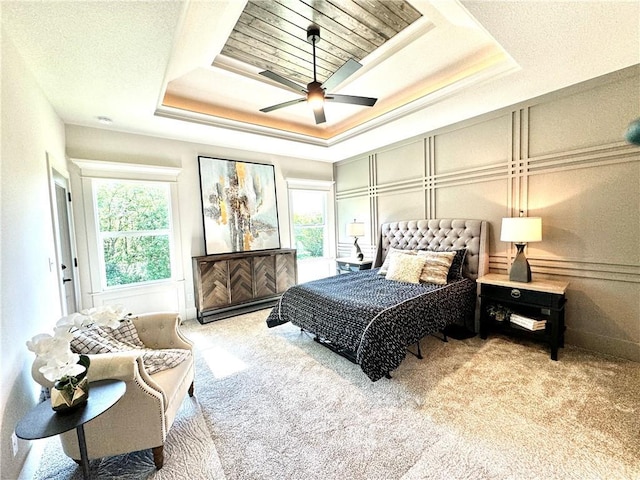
439	234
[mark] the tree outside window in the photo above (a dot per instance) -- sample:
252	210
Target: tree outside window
134	231
308	215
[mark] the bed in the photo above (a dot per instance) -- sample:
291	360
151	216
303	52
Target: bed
373	320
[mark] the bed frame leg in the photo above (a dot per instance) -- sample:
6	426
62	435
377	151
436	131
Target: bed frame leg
417	355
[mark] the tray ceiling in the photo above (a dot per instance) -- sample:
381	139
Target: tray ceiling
273	35
157	69
412	52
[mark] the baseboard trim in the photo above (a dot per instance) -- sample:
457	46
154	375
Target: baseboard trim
222	313
607	345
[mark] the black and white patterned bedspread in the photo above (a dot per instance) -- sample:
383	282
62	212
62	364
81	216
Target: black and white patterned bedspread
376	318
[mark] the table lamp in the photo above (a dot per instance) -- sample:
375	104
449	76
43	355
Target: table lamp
355	230
521	230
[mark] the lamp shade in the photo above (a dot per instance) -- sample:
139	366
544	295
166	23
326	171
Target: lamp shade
355	229
521	229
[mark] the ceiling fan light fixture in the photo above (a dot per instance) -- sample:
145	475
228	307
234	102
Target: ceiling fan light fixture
315	99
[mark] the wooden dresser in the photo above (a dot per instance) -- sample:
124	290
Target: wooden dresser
233	283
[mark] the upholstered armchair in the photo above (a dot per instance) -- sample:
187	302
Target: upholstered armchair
144	415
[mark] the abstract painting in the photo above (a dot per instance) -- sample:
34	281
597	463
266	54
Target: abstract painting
239	206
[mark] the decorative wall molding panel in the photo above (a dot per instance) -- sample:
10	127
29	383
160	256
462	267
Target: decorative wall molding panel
561	157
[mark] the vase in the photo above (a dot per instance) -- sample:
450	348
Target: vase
70	397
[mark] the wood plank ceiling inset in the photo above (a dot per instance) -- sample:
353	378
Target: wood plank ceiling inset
272	35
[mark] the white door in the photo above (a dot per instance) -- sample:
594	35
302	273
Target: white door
66	259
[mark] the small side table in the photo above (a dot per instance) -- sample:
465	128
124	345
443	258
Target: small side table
42	421
538	299
346	265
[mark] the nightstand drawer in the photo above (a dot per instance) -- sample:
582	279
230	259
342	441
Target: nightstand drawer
523	296
348	265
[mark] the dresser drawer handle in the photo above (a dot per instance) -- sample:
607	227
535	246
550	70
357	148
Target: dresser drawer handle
515	293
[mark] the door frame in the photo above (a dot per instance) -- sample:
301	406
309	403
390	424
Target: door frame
60	179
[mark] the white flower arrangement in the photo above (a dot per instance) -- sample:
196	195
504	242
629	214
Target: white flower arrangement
61	365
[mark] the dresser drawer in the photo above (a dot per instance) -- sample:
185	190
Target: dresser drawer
521	295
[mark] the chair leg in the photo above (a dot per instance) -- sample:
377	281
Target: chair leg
158	456
191	389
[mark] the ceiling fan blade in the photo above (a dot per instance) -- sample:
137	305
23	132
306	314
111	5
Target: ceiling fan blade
282	105
284	81
354	100
346	70
319	113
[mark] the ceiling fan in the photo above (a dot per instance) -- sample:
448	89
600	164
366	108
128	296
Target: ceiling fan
315	91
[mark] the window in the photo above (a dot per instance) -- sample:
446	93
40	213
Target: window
311	217
309	223
133	231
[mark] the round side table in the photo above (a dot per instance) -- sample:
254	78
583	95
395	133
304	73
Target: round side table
42	421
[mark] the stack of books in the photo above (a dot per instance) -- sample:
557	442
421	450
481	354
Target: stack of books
527	322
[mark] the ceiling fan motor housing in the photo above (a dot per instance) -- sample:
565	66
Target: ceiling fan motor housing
314	87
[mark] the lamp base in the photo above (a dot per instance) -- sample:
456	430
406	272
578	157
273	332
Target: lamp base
357	253
520	269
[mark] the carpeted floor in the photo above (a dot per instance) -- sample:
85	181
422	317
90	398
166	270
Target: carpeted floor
273	404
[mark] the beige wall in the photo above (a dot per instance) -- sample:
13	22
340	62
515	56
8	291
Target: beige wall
109	146
561	157
32	139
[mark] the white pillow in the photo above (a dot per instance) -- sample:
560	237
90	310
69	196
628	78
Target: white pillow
390	254
405	268
436	266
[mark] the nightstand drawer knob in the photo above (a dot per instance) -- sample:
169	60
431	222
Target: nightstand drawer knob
515	293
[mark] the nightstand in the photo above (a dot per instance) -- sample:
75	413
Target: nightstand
346	265
538	300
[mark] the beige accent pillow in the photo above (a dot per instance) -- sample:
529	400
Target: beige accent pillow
393	251
405	268
436	266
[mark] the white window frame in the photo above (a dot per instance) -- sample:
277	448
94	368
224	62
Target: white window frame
92	170
101	236
316	185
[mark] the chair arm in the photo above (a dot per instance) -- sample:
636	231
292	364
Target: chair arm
116	365
161	330
127	366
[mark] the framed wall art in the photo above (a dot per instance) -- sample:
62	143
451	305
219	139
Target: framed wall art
239	207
